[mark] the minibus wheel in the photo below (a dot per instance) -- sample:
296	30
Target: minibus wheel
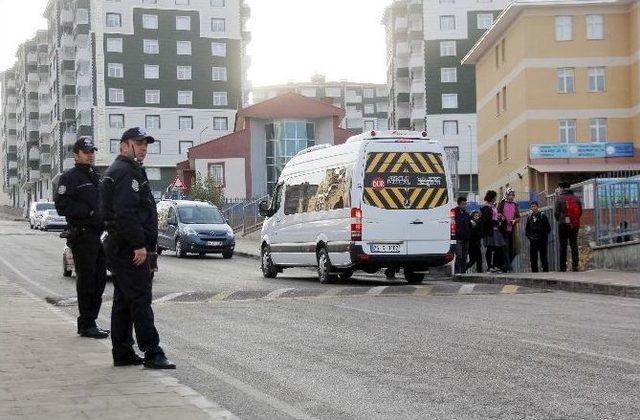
269	269
325	268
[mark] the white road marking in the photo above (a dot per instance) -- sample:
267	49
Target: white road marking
377	290
466	289
26	278
169	297
584	352
277	293
369	312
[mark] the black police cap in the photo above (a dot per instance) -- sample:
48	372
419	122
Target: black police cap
84	143
136	133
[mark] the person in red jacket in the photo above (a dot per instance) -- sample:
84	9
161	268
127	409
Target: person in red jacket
568	211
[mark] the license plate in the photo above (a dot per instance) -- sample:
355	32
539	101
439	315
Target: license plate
214	243
385	248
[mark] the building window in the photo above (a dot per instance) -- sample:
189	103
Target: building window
182	2
448	48
448	75
504	50
368	93
216	172
114	20
183	23
484	20
184	146
382	107
332	92
185	123
220	99
183	47
448	23
450	128
185	97
151	71
151	46
449	100
217	3
150	21
496	55
500	152
116	96
369	109
115	70
152	96
217	25
598	128
114	45
596	79
505	146
369	125
220	123
566	80
82	16
114	146
218	49
116	120
564	28
219	74
567	131
155	148
498	103
152	122
595	27
183	72
504	98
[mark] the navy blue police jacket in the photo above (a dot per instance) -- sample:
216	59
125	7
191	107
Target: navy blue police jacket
78	197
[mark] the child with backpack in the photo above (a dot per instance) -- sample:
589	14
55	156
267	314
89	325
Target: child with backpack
537	230
568	211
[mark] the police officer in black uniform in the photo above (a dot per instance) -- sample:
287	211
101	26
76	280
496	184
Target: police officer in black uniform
78	199
132	222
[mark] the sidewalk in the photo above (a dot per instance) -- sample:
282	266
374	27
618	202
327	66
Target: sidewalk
46	372
604	282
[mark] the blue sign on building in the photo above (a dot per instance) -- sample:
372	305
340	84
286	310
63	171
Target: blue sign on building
580	150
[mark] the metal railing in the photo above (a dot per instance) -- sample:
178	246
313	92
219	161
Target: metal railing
616	209
244	217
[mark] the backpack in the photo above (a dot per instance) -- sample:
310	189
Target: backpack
572	211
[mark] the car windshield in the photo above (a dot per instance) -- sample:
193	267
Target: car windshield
45	206
200	215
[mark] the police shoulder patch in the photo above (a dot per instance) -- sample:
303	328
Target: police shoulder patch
135	186
62	189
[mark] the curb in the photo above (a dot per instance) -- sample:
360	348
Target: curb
564	285
247	255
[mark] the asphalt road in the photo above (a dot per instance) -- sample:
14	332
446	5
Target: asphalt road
275	353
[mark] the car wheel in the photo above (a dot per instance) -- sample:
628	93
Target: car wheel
227	254
412	277
346	275
180	252
65	271
269	269
324	268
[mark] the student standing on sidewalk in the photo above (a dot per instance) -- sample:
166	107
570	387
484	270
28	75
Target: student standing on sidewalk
475	242
491	236
537	230
132	221
78	199
463	231
508	208
568	211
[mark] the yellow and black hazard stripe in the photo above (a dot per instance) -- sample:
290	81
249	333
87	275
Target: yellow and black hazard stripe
413	195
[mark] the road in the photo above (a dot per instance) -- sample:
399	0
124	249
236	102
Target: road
363	350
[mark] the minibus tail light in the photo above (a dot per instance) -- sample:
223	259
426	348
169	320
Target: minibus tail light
356	224
453	226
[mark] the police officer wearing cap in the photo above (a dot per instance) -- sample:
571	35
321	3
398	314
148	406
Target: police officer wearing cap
132	222
78	199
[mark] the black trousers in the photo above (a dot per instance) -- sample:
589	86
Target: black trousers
568	235
475	255
131	304
91	274
462	249
538	248
508	252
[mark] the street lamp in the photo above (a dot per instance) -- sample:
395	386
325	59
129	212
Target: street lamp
201	133
470	158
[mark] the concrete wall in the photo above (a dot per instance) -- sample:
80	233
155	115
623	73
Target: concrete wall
234	175
622	256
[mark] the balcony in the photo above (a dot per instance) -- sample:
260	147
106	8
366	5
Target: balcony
402	48
402	72
32	58
418	113
34	154
416	60
45	163
67	41
34	175
402	86
13	181
33	125
68	138
12	140
66	16
33	78
245	11
403	97
401	24
13	164
418	86
68	163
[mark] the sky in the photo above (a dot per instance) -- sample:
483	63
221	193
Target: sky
291	39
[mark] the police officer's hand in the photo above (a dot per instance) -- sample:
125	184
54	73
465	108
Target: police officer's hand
139	256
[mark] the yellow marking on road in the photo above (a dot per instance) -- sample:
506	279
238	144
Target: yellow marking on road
510	289
218	297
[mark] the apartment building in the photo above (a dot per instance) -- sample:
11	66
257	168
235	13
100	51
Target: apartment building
366	104
9	134
563	105
176	67
428	86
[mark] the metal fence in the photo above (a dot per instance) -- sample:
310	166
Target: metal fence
521	263
244	217
616	209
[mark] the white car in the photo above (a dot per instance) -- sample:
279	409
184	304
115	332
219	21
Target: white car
50	219
36	211
381	200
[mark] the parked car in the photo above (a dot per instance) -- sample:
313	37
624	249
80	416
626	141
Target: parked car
36	210
193	227
50	219
381	200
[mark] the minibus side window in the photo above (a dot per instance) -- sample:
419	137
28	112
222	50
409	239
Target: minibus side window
277	198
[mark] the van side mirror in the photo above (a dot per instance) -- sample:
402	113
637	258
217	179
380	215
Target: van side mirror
172	222
264	210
